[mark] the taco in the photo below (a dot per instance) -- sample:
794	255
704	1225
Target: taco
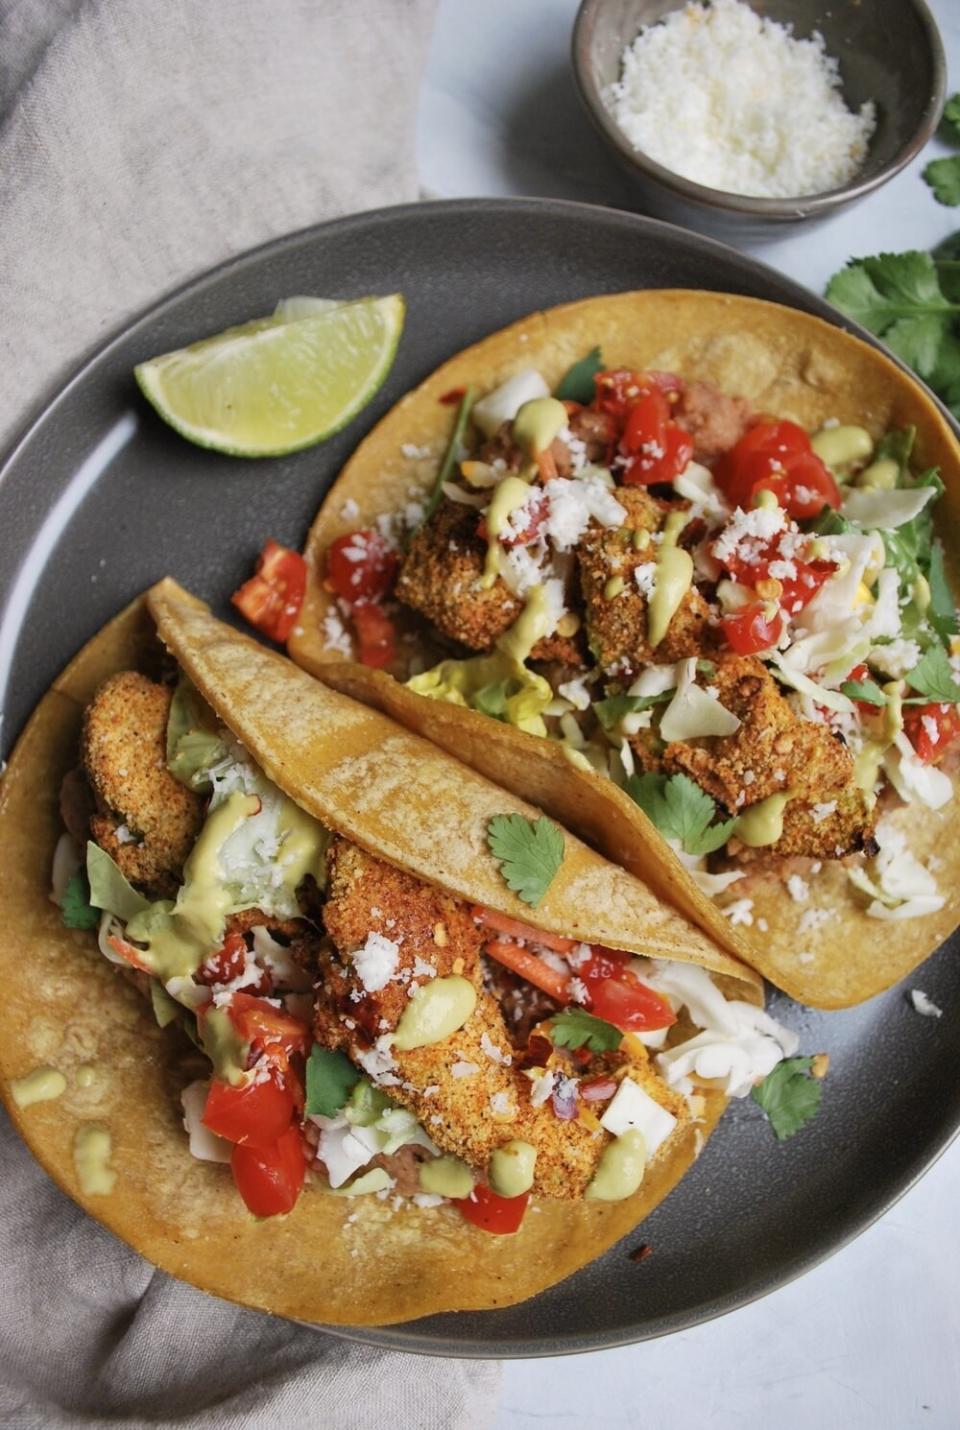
673	568
317	908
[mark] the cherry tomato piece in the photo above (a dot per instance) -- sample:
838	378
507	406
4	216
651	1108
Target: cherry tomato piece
376	635
748	630
270	1179
272	598
227	964
931	730
498	1215
255	1114
362	566
266	1027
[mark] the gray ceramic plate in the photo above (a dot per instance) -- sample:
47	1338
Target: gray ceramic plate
82	535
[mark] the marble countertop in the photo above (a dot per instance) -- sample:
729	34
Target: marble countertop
869	1340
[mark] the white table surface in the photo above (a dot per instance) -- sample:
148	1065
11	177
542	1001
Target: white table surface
871	1339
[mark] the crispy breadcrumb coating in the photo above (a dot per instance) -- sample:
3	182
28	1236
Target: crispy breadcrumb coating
440	578
469	1101
617	626
146	820
775	750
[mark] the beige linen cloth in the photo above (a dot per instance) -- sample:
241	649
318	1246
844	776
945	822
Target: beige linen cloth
142	141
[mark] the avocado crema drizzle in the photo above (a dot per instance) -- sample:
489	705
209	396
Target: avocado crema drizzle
174	937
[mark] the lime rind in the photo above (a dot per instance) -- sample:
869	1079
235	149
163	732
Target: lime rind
277	385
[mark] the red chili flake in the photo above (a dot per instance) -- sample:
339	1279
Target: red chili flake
641	1252
453	397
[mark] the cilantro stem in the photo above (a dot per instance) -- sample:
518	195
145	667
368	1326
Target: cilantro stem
450	455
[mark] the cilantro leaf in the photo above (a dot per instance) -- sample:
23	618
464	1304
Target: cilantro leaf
898	297
330	1077
530	853
76	911
951	117
943	176
933	677
577	383
866	691
612	710
576	1028
942	613
789	1096
681	810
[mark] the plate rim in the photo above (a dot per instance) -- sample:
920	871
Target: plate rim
856	1221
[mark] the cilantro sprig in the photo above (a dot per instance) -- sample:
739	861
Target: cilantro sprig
576	1028
681	810
76	911
530	852
576	385
790	1096
933	677
867	692
943	175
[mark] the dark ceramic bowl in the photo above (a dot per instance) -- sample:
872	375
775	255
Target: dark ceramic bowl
889	51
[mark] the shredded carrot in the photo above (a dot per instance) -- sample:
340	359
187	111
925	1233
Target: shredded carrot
521	961
128	953
515	929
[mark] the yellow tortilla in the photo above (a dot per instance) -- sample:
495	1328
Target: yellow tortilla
787	363
332	1260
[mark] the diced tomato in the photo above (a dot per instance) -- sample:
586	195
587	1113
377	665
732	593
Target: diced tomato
267	1028
749	630
646	424
362	566
272	598
617	995
796	591
659	448
931	730
617	390
376	635
255	1113
777	457
498	1215
228	962
517	929
522	961
270	1179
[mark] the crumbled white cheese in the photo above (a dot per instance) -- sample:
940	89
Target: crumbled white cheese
895	658
349	511
376	962
495	1054
747	108
645	576
576	692
463	1068
572	504
413	452
379	1063
820	812
501	1105
747	535
739	912
543	1080
924	1005
798	889
813	920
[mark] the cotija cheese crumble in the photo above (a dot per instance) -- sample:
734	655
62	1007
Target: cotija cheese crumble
735	102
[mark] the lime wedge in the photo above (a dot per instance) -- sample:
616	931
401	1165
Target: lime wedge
277	384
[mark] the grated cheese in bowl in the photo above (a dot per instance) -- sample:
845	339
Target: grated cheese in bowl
735	102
